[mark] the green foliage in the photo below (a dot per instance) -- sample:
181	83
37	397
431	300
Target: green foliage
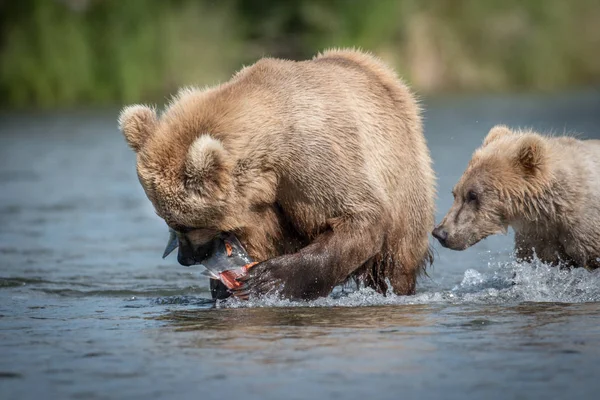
112	50
81	52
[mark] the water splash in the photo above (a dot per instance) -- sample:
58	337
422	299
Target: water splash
500	283
541	282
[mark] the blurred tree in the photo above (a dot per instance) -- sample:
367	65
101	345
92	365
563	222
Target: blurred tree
77	52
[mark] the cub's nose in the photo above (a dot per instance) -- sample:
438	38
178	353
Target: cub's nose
440	234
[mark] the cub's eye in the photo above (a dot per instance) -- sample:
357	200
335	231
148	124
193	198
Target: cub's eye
471	196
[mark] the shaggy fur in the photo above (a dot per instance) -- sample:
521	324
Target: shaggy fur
546	188
320	167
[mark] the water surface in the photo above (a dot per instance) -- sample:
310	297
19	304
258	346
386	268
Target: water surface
89	310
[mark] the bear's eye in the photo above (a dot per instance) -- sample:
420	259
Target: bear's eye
471	196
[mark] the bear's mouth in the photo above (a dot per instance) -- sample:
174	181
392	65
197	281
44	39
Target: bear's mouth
224	260
473	239
461	245
222	252
188	254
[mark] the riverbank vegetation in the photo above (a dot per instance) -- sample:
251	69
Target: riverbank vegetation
63	53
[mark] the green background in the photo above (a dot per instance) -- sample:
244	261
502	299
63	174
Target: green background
74	53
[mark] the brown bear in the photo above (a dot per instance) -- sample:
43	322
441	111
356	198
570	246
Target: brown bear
319	167
546	188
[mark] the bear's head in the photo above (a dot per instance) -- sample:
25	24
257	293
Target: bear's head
186	174
504	175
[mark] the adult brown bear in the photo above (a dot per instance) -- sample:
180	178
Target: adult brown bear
319	167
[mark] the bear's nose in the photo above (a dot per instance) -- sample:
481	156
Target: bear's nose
185	260
440	234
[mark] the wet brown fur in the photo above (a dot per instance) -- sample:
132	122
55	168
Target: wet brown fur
546	188
320	167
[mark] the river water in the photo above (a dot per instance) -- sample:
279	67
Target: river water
89	310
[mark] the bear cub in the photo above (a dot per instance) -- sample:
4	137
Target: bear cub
546	188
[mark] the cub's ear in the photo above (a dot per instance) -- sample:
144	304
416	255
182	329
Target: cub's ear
532	154
495	133
208	167
137	122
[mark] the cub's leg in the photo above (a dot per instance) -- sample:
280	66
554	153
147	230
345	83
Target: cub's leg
529	244
316	269
524	247
548	250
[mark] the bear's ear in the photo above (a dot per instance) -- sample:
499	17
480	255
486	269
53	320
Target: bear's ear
531	154
207	167
495	133
137	122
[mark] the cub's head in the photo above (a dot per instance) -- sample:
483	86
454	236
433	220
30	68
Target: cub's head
186	174
492	192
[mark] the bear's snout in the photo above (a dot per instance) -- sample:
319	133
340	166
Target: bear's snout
440	234
192	255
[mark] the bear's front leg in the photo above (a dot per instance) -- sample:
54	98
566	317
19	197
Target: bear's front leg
317	268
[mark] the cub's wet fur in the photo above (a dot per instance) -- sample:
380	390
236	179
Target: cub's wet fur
546	188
